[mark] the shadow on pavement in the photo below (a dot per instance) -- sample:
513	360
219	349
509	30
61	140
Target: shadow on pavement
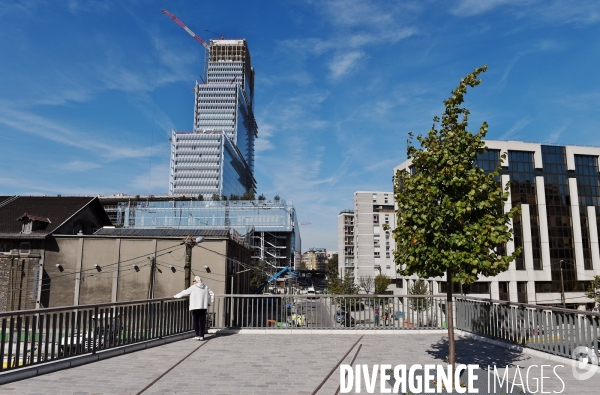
470	351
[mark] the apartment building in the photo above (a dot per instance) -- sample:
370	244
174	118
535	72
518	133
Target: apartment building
365	247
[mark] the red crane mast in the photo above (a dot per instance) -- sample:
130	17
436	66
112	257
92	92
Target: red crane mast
187	29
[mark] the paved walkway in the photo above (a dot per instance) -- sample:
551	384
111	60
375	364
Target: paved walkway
275	364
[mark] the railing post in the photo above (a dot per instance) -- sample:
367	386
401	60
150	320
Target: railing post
161	318
95	330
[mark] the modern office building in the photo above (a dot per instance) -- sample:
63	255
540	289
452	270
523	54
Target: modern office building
217	157
269	227
558	188
365	248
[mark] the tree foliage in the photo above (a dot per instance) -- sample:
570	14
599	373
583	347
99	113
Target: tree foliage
345	286
332	266
450	218
381	283
593	291
450	212
366	283
259	274
419	287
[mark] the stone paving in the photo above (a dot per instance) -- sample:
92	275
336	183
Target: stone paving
277	364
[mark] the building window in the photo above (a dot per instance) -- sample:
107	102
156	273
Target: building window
503	288
376	218
542	287
558	206
376	254
588	190
522	291
374	198
522	174
482	287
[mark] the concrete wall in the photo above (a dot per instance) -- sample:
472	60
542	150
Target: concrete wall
81	283
58	287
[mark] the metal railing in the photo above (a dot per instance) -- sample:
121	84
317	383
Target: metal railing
553	330
30	337
301	312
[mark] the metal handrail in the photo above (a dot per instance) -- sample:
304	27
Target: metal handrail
553	330
30	337
531	306
83	306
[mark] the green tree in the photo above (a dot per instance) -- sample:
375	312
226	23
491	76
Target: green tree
216	197
419	287
593	291
261	197
345	286
259	274
381	283
248	195
332	266
366	283
450	212
200	197
276	198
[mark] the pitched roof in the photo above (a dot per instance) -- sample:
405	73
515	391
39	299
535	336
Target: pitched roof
57	210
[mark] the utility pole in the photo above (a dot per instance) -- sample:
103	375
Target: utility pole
188	264
189	242
152	278
562	285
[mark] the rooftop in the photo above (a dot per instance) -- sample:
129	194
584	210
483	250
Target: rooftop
52	210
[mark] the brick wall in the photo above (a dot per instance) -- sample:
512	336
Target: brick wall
17	281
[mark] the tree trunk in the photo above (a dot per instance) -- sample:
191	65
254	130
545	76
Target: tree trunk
450	319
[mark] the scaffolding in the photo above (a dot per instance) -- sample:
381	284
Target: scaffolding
269	227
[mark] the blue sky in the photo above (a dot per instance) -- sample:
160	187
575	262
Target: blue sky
89	90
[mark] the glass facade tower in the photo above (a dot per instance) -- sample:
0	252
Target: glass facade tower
557	230
217	157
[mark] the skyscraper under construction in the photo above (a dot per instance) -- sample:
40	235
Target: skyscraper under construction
217	157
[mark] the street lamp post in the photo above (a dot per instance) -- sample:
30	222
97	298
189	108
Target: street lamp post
235	274
189	244
231	303
562	285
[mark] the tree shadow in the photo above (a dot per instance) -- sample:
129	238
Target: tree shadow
471	351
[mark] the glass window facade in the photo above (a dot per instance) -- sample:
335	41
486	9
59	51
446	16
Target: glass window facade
522	174
224	129
558	208
488	160
588	191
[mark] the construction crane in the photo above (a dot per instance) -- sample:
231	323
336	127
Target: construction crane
187	29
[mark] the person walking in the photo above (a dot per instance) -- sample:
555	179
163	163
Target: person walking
200	298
